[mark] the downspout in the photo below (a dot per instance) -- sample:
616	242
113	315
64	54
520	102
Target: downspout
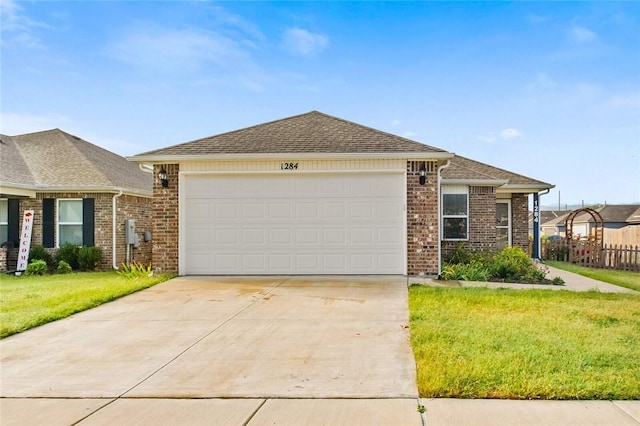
114	228
440	168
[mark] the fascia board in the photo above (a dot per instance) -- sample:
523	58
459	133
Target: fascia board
298	156
474	182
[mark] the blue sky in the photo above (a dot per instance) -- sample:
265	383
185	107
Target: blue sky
550	90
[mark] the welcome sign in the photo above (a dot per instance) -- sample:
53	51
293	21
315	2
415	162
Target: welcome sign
25	241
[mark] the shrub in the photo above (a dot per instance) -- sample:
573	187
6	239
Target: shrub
64	268
37	267
474	271
89	258
40	253
135	270
512	263
69	253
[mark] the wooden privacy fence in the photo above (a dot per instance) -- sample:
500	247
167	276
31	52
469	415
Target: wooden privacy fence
585	253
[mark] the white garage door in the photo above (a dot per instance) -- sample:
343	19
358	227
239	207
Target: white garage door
294	224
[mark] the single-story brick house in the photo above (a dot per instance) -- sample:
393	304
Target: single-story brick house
76	190
316	194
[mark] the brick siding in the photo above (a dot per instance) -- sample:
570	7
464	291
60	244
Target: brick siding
165	220
482	222
422	220
520	221
128	206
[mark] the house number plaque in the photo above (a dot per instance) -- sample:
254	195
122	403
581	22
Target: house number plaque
288	166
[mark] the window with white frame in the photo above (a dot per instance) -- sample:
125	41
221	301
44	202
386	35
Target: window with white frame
503	223
4	220
69	221
455	213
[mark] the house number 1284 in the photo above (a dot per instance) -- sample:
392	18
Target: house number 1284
288	166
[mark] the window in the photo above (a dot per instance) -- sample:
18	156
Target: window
69	222
455	214
4	221
503	223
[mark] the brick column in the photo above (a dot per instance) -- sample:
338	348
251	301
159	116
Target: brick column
520	221
422	220
165	220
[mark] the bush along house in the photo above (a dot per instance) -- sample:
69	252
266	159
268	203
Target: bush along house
316	194
80	194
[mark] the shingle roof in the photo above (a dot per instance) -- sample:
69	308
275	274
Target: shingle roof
611	213
463	168
313	132
55	160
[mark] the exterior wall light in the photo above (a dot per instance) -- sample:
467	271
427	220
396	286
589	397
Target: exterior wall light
162	175
423	174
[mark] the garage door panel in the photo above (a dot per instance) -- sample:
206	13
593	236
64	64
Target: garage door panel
294	224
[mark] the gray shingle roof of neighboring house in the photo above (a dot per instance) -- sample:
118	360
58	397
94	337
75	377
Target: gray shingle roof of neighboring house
54	160
463	168
613	213
312	132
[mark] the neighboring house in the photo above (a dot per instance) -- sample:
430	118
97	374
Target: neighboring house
75	189
555	225
614	218
551	222
315	194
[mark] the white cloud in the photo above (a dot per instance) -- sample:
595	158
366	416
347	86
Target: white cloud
510	134
395	122
580	34
301	42
505	134
489	138
17	28
543	81
158	48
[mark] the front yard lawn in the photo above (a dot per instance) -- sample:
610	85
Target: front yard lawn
626	279
525	344
26	302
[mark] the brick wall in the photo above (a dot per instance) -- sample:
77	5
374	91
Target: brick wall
482	222
165	220
520	221
128	206
422	220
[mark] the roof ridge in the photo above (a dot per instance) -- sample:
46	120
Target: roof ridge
85	159
382	132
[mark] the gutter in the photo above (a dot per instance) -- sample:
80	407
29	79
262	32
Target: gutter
180	158
114	226
440	168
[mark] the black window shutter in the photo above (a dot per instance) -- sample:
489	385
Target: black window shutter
13	221
87	221
48	222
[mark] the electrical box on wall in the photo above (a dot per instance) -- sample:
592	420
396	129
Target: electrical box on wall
130	231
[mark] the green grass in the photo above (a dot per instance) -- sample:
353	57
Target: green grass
26	302
525	344
626	279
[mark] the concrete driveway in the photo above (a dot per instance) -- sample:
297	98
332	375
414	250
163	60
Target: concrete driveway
243	350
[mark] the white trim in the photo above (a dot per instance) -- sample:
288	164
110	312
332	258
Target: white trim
509	227
182	249
454	190
17	191
475	182
114	225
57	216
404	226
157	158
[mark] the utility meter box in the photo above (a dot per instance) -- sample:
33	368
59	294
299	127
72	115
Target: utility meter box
130	231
